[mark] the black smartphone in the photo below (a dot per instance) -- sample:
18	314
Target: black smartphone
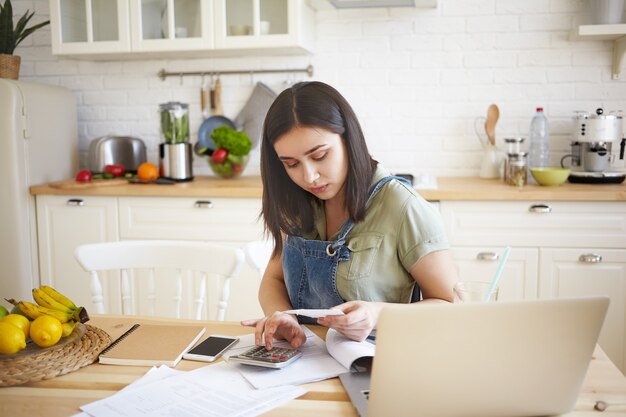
210	348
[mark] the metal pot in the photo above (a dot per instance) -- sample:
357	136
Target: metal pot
128	151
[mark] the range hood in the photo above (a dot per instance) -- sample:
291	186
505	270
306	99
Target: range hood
357	4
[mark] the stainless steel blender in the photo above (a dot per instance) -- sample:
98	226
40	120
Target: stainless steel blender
175	151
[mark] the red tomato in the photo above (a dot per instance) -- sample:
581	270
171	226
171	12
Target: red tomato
83	176
116	170
237	168
219	155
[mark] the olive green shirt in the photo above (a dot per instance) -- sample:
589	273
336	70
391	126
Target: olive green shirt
399	228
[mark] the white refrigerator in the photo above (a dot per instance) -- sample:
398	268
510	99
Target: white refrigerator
38	144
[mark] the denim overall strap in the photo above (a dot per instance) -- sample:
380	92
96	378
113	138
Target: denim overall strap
310	266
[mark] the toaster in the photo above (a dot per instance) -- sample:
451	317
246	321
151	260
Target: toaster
128	151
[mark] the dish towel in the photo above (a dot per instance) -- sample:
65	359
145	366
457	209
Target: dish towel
252	115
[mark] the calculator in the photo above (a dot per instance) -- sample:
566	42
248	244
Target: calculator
276	357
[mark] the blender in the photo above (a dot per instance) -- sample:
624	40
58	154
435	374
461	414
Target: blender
175	151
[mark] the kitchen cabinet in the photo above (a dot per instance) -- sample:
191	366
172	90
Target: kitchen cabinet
615	33
63	223
558	249
105	29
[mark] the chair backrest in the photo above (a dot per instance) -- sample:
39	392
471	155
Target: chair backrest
180	259
258	254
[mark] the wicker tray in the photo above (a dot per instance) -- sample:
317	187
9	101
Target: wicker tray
47	364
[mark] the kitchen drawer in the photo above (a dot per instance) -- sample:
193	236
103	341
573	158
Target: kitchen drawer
214	219
562	224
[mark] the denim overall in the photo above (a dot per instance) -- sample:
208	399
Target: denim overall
310	266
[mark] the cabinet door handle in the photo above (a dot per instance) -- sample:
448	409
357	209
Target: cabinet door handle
540	208
487	256
75	202
590	258
205	204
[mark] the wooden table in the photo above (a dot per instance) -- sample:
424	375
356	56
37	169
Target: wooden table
62	396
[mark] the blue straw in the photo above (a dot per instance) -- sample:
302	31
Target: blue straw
496	277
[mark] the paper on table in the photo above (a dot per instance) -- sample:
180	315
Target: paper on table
154	374
315	364
315	313
201	392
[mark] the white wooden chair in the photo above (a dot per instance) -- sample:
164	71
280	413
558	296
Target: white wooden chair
258	254
181	260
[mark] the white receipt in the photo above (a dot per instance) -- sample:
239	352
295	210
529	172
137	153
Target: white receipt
315	313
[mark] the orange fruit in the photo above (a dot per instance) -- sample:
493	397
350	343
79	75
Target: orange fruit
147	171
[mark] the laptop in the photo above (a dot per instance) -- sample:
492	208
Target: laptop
503	359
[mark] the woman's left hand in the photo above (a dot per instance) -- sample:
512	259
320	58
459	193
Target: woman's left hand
359	319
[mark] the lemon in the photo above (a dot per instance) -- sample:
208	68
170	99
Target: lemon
19	321
12	338
46	331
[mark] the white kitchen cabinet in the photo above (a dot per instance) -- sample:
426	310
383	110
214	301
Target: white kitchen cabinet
120	28
261	24
89	26
519	276
63	223
590	272
547	239
229	221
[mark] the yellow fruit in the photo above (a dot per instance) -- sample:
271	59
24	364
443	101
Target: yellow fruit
19	321
46	331
12	338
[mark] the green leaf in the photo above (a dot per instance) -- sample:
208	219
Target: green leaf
10	37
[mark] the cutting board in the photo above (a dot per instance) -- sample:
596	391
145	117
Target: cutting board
72	184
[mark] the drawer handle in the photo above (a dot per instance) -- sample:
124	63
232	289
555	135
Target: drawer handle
487	256
75	202
590	258
540	208
203	204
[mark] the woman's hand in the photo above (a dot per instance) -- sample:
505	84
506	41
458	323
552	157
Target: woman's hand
359	319
277	326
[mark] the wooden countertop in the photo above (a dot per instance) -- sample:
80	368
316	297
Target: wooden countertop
448	188
63	395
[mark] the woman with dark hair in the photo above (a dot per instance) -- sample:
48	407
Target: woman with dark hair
347	234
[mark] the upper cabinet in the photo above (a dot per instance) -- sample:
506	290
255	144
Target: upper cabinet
109	28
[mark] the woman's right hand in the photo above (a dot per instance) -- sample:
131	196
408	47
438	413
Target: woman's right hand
278	325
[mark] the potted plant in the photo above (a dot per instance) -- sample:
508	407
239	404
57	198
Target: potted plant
10	37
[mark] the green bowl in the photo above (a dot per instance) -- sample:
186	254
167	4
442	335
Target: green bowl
550	176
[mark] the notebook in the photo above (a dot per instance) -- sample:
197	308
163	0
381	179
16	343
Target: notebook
151	345
503	359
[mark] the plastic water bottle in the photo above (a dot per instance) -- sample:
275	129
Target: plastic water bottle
539	135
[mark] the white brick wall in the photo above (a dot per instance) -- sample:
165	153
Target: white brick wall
417	78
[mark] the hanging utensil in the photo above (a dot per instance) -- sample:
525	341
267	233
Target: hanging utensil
493	113
218	110
205	91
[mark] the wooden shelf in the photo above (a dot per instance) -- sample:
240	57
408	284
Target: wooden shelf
615	33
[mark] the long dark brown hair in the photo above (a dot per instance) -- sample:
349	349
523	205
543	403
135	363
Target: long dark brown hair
288	208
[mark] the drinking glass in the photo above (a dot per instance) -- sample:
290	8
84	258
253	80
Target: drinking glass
473	292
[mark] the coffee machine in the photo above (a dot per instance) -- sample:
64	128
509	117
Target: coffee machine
592	150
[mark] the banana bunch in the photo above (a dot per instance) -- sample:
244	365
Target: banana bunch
50	302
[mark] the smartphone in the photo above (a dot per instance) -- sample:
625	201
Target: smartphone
275	358
211	348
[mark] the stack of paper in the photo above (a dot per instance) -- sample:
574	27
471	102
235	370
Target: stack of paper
207	391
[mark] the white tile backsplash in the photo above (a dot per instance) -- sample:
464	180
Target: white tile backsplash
417	78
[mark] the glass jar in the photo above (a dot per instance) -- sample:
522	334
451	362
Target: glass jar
514	145
174	122
516	169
